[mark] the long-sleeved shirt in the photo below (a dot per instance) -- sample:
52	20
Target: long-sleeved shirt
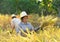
25	26
15	22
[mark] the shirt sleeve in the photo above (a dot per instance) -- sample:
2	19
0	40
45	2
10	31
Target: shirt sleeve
31	26
12	24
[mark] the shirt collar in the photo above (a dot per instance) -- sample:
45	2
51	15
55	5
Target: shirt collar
24	23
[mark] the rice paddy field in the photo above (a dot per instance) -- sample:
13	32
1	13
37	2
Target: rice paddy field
50	33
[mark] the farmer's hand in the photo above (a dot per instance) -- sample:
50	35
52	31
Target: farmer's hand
36	29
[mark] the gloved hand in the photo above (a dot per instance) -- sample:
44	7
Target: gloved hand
36	29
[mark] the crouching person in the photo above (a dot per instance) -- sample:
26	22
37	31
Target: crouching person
24	24
15	23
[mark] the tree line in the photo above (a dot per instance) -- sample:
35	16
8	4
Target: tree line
45	7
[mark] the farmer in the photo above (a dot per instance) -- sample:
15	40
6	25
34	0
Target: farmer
24	24
15	23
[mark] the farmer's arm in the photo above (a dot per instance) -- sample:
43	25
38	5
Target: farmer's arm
12	26
35	29
31	26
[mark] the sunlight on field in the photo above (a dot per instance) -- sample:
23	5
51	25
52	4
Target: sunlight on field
50	32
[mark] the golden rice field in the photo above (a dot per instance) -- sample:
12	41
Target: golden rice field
50	32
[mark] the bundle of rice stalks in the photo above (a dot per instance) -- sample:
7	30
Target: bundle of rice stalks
47	21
